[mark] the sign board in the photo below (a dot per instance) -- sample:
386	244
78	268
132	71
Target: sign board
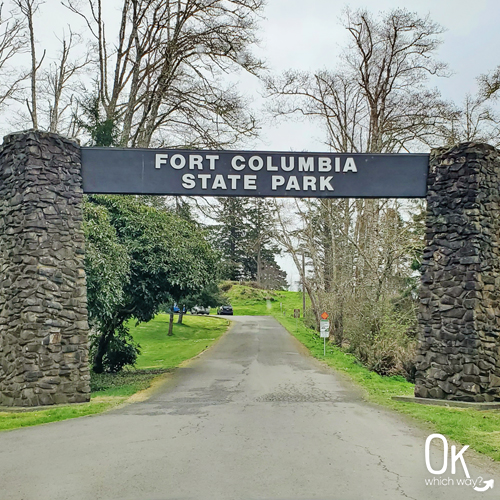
245	173
324	315
296	313
324	328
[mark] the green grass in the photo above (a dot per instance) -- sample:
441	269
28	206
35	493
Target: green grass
189	339
159	354
478	429
255	302
9	421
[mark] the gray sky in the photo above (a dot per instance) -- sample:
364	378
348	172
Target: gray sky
308	36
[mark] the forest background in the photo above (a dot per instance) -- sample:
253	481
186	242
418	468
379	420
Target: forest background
190	74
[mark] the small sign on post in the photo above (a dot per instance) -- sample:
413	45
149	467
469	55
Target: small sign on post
324	330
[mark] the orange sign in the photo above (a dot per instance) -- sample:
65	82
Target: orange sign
324	315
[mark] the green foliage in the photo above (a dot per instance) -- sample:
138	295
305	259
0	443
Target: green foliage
244	236
166	258
210	296
103	131
229	236
121	351
169	255
107	265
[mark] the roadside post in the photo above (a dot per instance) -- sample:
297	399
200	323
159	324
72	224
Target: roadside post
296	315
324	330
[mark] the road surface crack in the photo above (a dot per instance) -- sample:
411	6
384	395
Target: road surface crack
381	464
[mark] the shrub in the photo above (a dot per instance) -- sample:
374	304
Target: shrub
122	351
382	337
226	286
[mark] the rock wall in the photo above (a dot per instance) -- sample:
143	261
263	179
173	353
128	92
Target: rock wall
459	349
43	308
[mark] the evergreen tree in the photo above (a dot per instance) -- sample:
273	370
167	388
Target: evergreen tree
243	234
230	233
261	248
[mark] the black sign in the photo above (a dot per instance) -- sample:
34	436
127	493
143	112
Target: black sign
243	173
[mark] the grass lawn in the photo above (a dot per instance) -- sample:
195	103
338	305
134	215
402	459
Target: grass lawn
159	354
189	339
478	429
254	302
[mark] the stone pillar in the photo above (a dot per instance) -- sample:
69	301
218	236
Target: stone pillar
43	308
459	349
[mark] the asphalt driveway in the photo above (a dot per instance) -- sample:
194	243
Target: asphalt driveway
254	417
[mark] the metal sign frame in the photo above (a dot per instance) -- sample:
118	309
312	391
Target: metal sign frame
253	173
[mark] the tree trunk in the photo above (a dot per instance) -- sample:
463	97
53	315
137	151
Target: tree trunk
98	366
259	267
338	327
171	325
181	315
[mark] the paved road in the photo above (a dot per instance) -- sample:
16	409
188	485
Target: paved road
252	418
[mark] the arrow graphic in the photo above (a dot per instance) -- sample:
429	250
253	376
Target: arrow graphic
487	485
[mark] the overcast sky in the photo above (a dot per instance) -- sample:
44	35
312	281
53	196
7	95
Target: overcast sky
307	35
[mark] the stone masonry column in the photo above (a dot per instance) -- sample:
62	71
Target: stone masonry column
459	349
43	305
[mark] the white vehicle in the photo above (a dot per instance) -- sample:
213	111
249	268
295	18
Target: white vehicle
200	310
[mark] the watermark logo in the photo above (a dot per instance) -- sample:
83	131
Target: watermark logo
442	477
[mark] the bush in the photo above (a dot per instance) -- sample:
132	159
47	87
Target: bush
226	286
388	356
382	338
122	351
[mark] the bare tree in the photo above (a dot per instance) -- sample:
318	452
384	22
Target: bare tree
490	83
161	78
361	252
28	9
476	120
12	43
377	100
62	88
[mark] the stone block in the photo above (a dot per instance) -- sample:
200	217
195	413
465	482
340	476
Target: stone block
41	249
460	332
